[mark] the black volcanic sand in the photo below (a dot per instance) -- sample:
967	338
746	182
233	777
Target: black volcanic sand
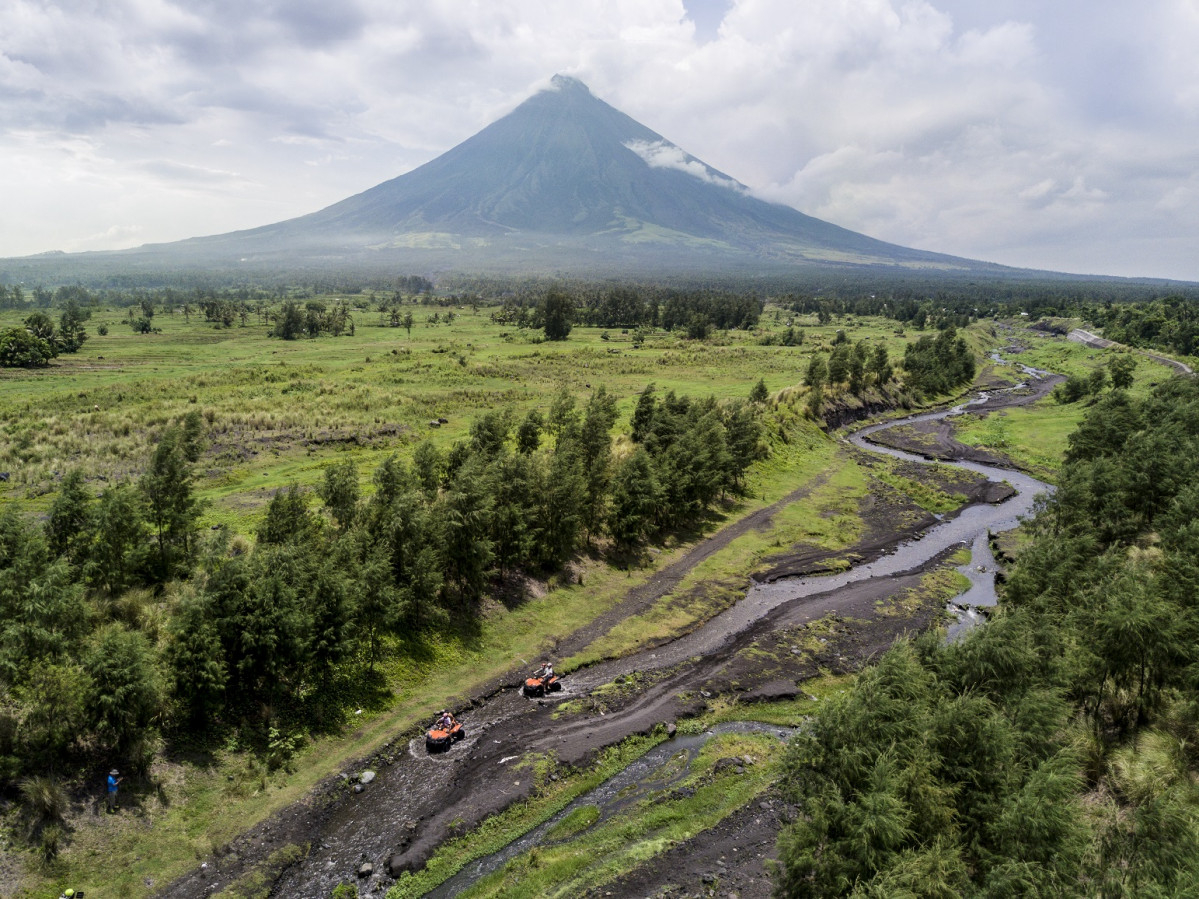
418	801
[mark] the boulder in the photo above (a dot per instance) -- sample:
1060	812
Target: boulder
398	864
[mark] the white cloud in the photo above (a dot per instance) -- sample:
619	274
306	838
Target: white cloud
1054	135
663	155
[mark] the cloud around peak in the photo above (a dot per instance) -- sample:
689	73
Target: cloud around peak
665	155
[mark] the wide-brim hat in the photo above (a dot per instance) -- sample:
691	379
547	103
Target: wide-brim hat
113	773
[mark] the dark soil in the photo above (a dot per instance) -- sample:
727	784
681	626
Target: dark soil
416	802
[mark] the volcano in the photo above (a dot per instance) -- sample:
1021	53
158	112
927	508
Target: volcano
564	183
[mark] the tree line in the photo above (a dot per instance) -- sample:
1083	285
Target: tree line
632	306
1053	751
276	637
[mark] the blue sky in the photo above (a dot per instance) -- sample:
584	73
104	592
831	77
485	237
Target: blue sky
1061	135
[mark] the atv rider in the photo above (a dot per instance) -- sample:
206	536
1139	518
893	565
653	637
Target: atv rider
545	672
445	721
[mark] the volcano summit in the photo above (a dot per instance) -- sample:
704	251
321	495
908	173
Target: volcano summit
564	183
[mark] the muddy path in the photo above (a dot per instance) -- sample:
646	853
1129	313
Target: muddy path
760	648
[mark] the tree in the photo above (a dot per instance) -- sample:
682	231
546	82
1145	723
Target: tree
1121	368
643	414
838	363
528	434
558	314
173	509
71	334
67	523
743	431
41	606
55	700
513	511
817	374
116	542
465	512
288	519
20	349
635	499
699	326
489	433
40	325
560	493
428	465
857	367
379	608
339	492
328	614
759	393
126	695
195	660
563	418
880	365
289	322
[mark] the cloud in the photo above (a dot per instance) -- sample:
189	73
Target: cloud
1058	135
662	155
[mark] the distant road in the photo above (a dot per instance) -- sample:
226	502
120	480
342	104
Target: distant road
1095	340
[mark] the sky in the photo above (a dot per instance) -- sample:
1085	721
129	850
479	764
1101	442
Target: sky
1052	134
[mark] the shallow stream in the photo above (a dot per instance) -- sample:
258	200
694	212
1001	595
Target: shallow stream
654	774
663	767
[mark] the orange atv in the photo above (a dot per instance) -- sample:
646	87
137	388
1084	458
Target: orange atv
538	686
439	739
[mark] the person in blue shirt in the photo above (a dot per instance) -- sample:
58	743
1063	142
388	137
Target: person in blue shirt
114	781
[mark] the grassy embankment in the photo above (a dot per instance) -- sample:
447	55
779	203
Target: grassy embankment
1035	436
278	412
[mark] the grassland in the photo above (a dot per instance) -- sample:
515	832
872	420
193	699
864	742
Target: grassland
279	411
1036	436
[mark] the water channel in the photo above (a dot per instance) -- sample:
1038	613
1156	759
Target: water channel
660	769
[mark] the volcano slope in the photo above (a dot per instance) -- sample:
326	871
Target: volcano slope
370	834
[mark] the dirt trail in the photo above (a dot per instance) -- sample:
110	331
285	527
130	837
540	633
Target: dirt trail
416	801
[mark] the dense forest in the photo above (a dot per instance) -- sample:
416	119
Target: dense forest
1053	751
270	640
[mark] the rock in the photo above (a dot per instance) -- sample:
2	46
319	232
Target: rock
366	777
773	691
398	864
671	729
358	788
366	870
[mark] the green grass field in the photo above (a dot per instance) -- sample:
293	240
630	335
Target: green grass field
279	411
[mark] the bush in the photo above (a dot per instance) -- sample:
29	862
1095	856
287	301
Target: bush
20	349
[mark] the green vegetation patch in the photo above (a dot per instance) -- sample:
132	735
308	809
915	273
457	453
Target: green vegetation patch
656	824
549	797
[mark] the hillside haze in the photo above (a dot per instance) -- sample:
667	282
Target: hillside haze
563	183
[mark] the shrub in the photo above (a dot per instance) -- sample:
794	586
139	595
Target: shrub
20	349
